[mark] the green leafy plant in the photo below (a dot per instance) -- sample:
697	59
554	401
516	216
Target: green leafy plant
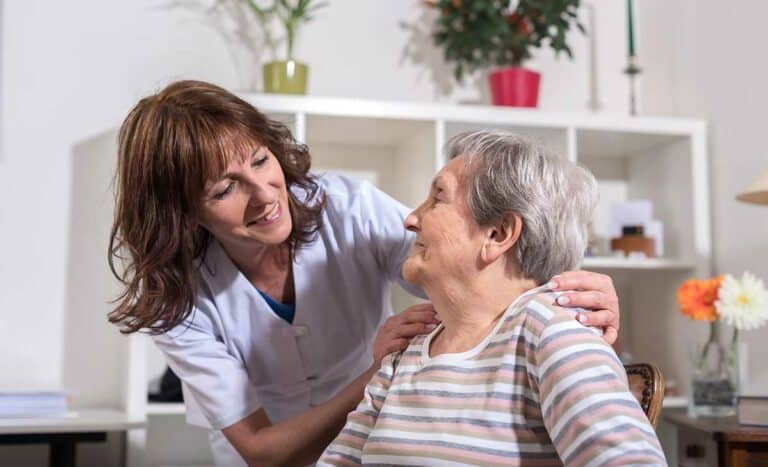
290	14
478	34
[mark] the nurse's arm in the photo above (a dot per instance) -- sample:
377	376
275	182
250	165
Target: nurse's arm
299	440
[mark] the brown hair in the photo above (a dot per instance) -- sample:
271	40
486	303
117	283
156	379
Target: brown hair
169	145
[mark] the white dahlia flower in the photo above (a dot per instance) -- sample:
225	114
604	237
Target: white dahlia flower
743	303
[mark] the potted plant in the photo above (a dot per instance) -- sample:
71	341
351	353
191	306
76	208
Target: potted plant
286	76
481	34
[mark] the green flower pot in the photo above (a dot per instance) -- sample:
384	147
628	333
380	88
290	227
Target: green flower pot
285	77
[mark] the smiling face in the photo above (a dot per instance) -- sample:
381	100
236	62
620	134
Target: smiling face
248	205
448	240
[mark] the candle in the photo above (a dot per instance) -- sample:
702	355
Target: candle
630	29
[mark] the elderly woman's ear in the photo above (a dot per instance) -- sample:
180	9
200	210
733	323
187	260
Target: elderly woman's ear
500	237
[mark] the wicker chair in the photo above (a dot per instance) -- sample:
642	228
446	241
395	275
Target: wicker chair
647	384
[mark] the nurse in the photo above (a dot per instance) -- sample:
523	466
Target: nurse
266	288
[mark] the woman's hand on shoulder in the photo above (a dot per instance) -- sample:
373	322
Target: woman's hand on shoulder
592	291
398	330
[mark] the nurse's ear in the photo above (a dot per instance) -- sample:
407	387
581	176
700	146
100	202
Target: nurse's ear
192	224
500	237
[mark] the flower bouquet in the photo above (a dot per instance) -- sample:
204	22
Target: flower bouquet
741	304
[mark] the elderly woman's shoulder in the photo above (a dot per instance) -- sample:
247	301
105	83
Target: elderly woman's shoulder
539	311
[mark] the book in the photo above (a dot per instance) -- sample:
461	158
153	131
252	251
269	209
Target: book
752	410
33	404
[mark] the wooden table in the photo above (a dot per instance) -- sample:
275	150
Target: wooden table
719	441
63	433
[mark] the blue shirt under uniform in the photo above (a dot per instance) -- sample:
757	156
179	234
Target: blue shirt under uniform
282	310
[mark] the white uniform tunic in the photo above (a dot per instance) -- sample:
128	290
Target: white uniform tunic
234	355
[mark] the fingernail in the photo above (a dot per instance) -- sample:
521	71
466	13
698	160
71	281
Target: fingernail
563	300
583	318
551	285
431	326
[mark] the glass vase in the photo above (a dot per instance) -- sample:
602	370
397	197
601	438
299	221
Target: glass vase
713	377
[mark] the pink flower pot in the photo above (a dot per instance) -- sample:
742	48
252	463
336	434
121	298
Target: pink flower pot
515	87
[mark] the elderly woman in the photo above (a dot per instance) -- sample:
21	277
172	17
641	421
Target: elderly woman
508	377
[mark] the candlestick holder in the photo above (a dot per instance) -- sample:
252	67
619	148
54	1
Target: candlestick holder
632	71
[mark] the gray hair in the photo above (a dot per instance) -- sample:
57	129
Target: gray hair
554	197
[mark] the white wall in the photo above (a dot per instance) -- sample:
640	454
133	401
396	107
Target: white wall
72	70
705	58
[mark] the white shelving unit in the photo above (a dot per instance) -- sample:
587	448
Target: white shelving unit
397	146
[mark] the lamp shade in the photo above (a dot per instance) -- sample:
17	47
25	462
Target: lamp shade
757	191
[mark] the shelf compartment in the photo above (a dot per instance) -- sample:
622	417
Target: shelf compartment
386	132
658	170
554	138
379	150
612	143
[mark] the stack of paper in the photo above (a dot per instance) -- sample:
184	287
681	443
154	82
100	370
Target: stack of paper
32	404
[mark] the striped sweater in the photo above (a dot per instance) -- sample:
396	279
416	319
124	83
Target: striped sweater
541	389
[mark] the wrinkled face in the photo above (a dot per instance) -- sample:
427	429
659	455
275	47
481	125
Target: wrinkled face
448	240
248	205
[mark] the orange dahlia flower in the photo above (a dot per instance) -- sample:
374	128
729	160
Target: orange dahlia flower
697	298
